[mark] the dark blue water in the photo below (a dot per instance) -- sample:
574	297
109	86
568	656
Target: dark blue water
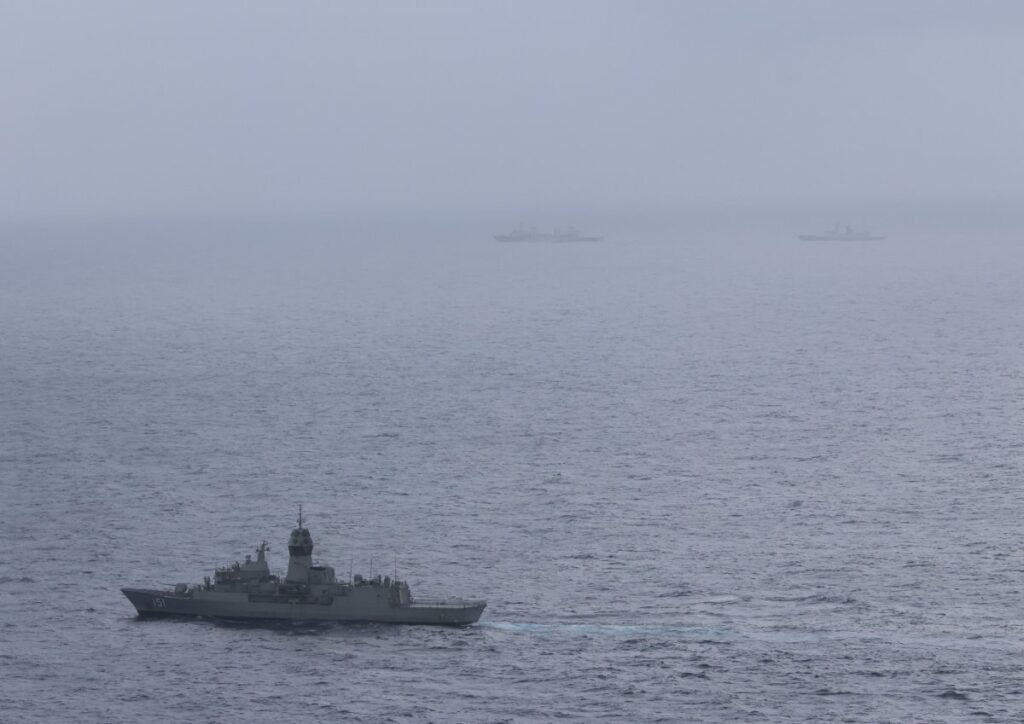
698	476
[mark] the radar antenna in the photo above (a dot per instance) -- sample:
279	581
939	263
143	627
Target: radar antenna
300	515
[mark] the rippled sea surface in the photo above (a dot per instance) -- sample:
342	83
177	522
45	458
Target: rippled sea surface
697	476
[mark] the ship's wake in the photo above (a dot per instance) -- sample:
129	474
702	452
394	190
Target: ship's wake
622	630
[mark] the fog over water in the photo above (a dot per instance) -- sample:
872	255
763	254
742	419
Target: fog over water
700	470
129	109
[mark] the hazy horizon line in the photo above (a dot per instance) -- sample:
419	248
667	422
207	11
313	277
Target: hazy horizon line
740	209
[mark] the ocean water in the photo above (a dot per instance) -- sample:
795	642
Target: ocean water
698	475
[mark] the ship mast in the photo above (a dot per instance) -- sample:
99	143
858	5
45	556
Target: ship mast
300	553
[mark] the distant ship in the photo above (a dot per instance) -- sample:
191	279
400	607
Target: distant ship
842	233
308	592
557	235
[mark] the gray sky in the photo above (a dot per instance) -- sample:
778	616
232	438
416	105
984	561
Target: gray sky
135	107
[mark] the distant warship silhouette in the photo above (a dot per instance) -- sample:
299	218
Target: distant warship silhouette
521	233
308	593
841	233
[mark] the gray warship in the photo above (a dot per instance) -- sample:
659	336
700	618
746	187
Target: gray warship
841	233
308	592
521	233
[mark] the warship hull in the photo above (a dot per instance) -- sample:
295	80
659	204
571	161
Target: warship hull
360	605
549	238
840	232
840	237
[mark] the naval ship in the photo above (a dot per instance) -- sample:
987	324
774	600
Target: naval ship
841	233
308	592
523	234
